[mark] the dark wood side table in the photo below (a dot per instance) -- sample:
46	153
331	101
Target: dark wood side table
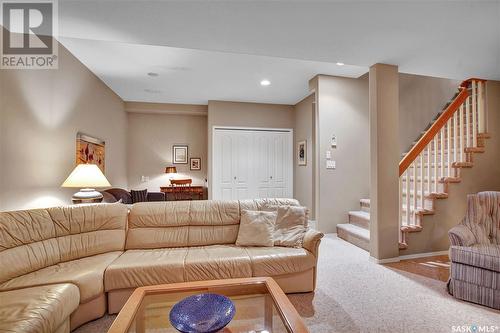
195	191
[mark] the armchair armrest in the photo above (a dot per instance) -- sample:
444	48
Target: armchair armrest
461	235
312	238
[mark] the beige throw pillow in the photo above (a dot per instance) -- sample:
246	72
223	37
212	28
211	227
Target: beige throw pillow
256	228
291	226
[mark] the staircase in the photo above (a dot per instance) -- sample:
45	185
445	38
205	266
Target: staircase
357	231
433	162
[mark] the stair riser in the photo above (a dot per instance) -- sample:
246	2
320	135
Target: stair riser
359	221
362	243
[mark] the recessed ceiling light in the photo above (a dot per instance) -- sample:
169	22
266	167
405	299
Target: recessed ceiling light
153	74
265	83
153	91
340	64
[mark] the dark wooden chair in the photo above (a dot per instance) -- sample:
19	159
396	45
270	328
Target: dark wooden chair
181	189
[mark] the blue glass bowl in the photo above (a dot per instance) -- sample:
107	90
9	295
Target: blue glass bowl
202	313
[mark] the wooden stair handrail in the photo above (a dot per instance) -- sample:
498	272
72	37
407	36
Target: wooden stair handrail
465	83
435	128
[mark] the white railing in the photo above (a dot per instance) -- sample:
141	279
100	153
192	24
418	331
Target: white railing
437	156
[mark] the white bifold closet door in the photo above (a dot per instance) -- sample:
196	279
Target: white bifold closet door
249	164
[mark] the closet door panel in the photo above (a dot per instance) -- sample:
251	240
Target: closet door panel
223	166
262	167
243	165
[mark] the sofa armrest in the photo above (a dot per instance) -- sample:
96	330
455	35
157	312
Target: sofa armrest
312	238
460	235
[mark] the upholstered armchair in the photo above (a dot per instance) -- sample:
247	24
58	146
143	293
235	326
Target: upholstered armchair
475	252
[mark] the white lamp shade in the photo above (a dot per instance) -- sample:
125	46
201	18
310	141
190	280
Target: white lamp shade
86	176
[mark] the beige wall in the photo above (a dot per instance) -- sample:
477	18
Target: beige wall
342	110
421	98
42	110
239	114
150	141
303	174
484	176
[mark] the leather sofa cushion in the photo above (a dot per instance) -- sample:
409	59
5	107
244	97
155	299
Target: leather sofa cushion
86	273
216	262
483	256
136	268
182	224
34	239
37	310
273	261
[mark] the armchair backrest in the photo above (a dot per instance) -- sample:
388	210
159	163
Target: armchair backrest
483	216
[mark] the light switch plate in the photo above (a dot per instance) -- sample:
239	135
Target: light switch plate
330	164
328	154
333	141
144	179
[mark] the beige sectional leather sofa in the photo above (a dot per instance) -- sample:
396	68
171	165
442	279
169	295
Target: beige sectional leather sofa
62	267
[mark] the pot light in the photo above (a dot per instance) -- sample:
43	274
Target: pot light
153	91
265	83
340	64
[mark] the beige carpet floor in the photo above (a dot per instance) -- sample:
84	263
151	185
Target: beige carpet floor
357	295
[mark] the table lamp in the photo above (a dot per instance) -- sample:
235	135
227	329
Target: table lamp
172	171
86	177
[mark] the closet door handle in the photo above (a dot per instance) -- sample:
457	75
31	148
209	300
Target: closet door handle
271	177
234	177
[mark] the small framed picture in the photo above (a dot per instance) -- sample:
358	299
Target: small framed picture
195	163
302	152
180	154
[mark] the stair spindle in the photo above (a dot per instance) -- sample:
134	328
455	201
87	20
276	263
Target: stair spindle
441	135
475	112
455	137
422	196
467	119
428	149
415	191
480	107
407	222
448	147
435	163
461	138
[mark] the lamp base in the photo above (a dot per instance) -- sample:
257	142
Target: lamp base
87	195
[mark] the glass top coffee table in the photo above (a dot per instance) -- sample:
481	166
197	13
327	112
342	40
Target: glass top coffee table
261	307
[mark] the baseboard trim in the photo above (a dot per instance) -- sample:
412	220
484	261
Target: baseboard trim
408	256
422	255
384	261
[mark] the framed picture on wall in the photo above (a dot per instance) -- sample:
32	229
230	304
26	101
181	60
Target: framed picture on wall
90	150
302	152
180	154
195	163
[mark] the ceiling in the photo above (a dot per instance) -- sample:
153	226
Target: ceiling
189	76
122	40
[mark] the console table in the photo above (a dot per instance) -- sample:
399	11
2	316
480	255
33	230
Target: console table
195	191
